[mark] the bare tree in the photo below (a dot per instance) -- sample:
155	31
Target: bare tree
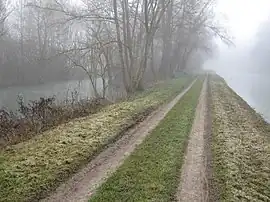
4	13
146	34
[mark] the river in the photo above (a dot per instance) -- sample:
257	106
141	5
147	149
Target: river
253	88
62	90
244	75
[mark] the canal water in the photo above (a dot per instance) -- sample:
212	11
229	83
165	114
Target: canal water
61	90
253	88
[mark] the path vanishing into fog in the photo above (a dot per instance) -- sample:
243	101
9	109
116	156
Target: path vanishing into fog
83	184
193	178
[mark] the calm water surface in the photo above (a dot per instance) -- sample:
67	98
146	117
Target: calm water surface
253	88
62	90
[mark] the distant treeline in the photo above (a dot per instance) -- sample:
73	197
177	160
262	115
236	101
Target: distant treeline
30	68
261	51
124	43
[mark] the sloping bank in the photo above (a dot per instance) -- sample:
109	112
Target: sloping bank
240	147
31	169
151	172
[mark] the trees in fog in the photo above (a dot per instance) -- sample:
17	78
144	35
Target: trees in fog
125	43
261	48
3	17
29	46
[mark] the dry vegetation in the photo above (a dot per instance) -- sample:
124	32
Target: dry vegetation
241	147
31	169
41	115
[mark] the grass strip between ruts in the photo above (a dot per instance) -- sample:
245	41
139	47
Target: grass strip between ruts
152	171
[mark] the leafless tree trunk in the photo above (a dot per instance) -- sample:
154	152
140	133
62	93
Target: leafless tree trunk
145	33
167	40
3	17
120	47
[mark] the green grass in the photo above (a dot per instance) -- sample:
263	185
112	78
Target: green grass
240	147
152	171
31	169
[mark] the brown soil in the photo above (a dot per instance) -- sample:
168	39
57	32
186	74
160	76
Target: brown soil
210	186
194	184
83	184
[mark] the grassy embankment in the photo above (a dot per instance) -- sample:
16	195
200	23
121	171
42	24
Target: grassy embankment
31	169
240	147
152	171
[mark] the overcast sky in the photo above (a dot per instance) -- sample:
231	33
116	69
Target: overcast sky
238	65
243	18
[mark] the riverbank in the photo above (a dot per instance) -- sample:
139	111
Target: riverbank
240	148
223	156
253	88
31	169
44	113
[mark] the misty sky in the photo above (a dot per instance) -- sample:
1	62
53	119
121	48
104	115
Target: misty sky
238	65
243	18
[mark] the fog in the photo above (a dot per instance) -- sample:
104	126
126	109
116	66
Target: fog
116	47
246	66
119	47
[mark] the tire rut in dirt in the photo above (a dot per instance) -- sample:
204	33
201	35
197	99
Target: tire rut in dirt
83	184
194	183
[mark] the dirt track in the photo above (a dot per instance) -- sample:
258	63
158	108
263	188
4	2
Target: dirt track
83	184
193	177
